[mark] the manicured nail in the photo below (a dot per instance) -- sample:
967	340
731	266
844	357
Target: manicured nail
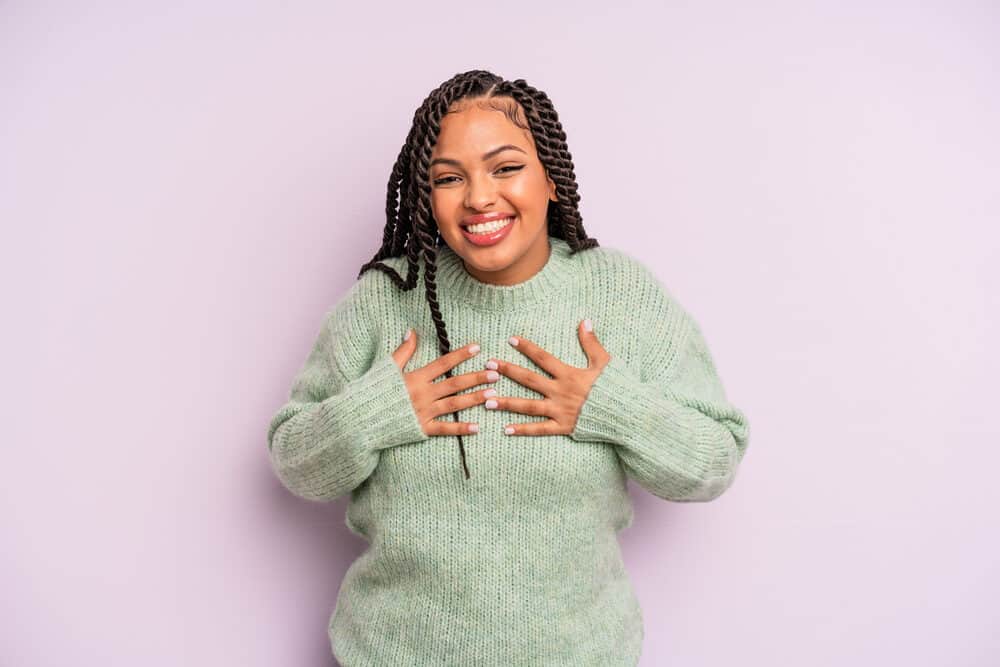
490	392
509	430
406	336
473	428
474	350
492	376
492	365
513	341
588	325
491	404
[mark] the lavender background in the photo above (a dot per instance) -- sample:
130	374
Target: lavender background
186	187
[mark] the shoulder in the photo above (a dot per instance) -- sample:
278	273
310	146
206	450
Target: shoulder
642	298
351	326
614	264
633	282
367	301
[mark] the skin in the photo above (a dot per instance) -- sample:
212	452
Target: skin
513	181
467	185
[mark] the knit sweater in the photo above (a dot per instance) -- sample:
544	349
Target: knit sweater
519	564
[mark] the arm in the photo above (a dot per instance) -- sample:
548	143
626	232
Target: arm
343	409
675	432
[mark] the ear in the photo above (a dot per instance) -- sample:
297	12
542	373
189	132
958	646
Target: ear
552	189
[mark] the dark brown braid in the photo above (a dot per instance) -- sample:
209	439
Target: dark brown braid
410	226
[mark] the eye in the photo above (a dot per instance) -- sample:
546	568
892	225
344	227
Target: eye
513	168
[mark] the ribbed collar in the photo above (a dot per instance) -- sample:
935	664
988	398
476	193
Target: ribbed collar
559	274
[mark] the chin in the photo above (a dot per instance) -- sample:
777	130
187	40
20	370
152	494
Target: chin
489	259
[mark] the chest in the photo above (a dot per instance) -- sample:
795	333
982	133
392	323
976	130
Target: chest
538	470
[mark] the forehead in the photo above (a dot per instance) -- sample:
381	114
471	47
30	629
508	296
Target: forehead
471	129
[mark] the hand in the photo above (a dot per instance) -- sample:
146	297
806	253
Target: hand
431	399
565	392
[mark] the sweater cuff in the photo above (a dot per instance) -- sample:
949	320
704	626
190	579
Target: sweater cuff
622	410
374	411
608	414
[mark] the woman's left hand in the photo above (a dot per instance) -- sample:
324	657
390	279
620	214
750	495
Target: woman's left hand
564	393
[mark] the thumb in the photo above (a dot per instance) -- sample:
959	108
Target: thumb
406	348
588	341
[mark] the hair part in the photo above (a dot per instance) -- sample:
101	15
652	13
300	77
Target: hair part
411	229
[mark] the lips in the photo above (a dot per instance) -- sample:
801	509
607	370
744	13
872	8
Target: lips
485	217
490	238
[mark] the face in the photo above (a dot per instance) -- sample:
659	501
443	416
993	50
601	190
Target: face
485	166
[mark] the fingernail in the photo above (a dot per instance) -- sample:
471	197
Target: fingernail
474	349
406	336
473	428
513	341
490	392
492	365
588	325
491	404
492	375
509	430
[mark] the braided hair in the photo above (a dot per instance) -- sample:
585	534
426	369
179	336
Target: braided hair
410	227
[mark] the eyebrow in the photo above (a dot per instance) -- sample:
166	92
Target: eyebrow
486	156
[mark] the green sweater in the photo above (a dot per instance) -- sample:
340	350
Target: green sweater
520	563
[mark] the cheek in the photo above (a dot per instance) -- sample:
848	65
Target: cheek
445	210
443	200
440	207
529	194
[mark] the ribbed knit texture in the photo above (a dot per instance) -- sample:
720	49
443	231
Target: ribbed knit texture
520	563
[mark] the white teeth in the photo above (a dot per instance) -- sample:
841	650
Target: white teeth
487	227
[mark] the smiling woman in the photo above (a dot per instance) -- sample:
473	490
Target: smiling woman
485	191
518	564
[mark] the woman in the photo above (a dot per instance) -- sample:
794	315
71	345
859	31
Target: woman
574	370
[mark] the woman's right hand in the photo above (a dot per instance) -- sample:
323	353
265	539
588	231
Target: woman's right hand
431	399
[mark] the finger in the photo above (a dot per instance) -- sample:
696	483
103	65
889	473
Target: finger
455	384
447	361
406	348
449	427
524	406
591	345
545	360
525	377
547	427
458	402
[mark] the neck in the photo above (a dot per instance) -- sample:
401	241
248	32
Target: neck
530	264
557	275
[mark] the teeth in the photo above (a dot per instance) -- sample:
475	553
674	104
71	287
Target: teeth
487	227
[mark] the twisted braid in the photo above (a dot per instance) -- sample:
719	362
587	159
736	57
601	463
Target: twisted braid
565	221
410	227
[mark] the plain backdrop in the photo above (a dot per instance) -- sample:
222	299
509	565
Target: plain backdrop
187	187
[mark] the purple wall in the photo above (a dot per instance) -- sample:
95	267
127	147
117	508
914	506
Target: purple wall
187	187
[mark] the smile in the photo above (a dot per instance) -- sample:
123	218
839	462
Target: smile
489	233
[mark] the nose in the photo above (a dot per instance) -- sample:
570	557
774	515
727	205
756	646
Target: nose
481	192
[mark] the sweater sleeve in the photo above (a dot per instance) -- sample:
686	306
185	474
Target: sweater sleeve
346	404
675	432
